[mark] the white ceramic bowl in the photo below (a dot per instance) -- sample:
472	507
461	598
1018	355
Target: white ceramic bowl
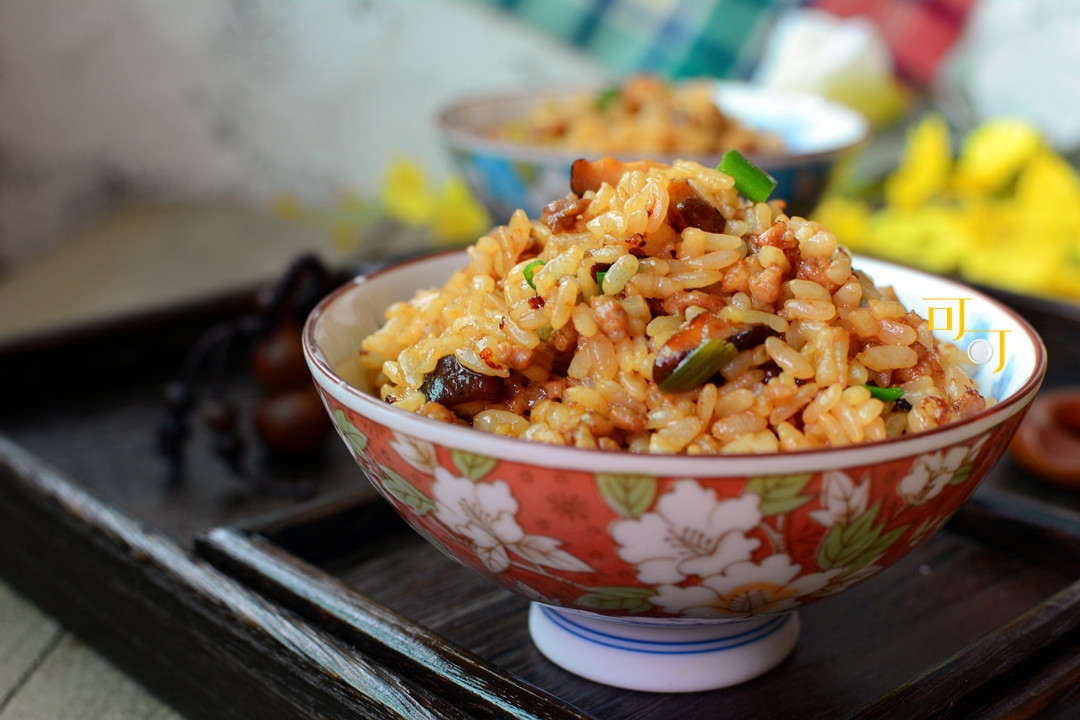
506	176
672	573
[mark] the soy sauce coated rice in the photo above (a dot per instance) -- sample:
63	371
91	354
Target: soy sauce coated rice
641	114
644	257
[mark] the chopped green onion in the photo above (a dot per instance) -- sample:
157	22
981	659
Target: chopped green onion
529	270
600	280
606	97
698	366
887	394
754	183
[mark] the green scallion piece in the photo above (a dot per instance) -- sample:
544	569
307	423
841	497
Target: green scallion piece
600	280
606	97
754	183
887	394
529	270
695	369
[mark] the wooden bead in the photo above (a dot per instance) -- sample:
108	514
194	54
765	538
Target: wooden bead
277	360
1048	441
293	422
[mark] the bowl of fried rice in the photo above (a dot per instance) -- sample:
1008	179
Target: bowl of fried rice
515	148
670	415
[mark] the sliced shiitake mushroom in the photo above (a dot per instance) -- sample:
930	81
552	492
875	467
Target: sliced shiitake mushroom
451	383
696	353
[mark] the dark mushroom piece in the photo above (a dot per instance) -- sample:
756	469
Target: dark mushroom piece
451	383
688	209
697	352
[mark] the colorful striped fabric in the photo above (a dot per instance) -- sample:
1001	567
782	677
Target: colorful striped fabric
723	38
918	32
675	38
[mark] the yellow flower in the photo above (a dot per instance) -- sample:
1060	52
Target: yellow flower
1005	214
405	194
847	219
449	215
992	154
1009	263
344	237
1048	210
1063	272
934	237
925	165
457	216
287	206
1050	184
1065	277
1012	252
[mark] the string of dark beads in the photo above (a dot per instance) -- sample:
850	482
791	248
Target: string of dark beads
290	420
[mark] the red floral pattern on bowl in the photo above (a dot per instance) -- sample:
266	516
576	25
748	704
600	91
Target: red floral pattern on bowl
642	542
729	536
675	546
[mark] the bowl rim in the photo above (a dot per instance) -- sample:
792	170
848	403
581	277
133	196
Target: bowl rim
602	461
451	123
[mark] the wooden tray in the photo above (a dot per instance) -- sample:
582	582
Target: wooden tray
935	632
230	605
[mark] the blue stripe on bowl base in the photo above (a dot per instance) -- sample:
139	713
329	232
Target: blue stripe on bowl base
672	647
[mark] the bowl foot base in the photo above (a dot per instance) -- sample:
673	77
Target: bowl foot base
658	656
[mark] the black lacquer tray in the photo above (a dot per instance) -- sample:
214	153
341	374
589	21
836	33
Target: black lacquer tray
229	604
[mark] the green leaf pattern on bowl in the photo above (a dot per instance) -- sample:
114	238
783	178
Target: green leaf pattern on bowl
628	495
691	553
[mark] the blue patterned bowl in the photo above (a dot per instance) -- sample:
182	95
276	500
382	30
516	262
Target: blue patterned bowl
506	176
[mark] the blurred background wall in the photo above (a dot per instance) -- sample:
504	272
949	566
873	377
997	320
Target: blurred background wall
234	100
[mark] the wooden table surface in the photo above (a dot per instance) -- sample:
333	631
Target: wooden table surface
135	259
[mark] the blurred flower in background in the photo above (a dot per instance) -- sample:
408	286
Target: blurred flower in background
1003	210
449	210
437	216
